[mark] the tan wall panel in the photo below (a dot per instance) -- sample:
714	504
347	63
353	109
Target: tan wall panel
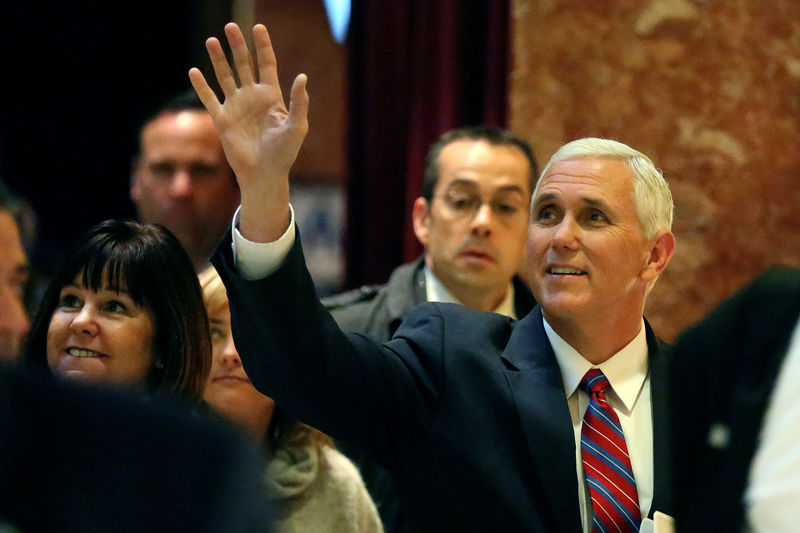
710	89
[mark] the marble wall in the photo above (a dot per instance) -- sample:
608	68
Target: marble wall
710	90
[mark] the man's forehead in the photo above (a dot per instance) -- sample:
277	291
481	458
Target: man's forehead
594	176
485	165
187	132
186	123
473	185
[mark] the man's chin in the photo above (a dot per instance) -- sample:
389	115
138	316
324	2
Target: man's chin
562	306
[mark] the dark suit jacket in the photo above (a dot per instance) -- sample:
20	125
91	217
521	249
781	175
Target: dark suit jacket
722	372
377	311
466	408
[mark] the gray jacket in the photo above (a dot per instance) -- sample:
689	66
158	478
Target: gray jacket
378	310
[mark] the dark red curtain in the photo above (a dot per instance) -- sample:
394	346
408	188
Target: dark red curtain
416	69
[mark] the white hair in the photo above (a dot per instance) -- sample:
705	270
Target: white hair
651	194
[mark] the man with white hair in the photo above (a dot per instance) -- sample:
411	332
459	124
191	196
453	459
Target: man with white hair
545	424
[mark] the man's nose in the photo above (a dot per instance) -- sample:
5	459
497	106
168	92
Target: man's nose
566	234
181	184
482	220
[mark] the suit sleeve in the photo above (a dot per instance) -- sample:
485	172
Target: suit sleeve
344	384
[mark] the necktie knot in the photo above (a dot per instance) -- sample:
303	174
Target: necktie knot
594	382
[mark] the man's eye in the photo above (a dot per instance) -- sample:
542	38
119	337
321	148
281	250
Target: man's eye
505	208
546	213
202	171
460	203
598	216
162	170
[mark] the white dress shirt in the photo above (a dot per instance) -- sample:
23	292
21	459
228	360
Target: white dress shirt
773	488
629	396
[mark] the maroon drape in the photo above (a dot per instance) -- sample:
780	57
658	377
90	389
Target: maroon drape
416	69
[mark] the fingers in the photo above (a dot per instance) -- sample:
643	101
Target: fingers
204	92
221	68
298	103
241	55
267	64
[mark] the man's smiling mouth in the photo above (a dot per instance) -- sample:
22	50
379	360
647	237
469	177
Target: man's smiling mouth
566	271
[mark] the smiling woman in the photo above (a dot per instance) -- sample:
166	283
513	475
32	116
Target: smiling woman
125	309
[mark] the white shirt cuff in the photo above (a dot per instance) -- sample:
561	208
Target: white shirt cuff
256	260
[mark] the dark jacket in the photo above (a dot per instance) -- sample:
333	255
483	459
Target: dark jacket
722	372
377	311
466	408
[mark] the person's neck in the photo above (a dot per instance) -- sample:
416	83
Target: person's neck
596	342
476	298
252	422
482	301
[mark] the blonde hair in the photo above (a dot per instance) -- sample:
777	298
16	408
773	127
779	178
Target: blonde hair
282	429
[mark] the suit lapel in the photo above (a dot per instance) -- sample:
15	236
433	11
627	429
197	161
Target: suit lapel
538	391
660	413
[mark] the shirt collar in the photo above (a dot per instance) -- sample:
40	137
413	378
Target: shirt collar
626	370
435	291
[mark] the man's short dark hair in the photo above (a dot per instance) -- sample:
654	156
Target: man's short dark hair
491	134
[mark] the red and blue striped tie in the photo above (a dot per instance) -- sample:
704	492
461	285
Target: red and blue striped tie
606	464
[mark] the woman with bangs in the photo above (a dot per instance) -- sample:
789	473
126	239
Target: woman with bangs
125	310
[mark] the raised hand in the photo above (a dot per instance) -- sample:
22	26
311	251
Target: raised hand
261	138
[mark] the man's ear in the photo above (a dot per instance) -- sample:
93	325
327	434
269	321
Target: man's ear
660	253
421	217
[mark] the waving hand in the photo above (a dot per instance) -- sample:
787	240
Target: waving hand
260	136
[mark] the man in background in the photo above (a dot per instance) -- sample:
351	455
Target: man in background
472	219
181	178
14	323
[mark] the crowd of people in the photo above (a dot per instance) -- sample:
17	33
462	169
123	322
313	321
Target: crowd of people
199	386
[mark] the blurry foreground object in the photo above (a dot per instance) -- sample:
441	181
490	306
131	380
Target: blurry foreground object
735	419
78	459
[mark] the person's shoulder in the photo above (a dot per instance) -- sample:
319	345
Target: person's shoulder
459	321
400	281
354	509
360	310
340	466
359	296
776	281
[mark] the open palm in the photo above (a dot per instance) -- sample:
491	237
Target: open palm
260	136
